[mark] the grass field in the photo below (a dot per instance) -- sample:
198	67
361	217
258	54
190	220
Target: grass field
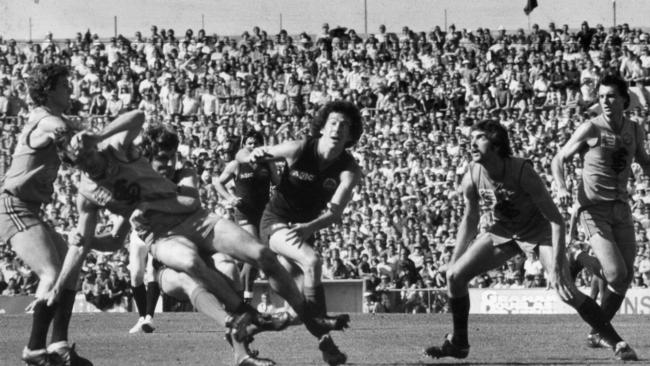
386	339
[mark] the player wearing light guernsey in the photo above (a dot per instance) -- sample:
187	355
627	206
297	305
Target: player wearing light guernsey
159	145
26	186
608	144
525	219
312	194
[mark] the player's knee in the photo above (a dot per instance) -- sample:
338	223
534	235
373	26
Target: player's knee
312	262
189	264
267	260
137	277
617	278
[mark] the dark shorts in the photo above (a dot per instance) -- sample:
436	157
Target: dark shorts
611	220
269	224
17	216
247	218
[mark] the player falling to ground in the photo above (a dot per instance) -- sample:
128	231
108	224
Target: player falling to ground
251	193
313	191
608	144
27	185
159	145
525	219
179	233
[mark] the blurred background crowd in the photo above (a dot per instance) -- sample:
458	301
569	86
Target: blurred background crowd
420	92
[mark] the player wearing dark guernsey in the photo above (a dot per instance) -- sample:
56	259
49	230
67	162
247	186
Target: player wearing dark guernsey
608	144
179	233
525	219
313	191
27	185
252	182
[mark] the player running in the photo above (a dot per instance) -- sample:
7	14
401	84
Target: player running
27	185
608	143
313	191
525	219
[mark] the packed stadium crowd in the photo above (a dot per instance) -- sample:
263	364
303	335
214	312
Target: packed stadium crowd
419	92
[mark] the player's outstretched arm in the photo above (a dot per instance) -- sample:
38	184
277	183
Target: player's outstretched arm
580	138
536	188
289	150
229	172
468	227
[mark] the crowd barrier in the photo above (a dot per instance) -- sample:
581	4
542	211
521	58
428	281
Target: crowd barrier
347	296
542	301
18	305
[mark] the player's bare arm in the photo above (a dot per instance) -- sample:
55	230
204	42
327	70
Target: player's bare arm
583	136
535	187
229	172
51	128
288	150
468	227
123	130
188	184
342	196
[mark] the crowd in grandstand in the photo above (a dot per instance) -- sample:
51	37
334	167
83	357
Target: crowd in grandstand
420	92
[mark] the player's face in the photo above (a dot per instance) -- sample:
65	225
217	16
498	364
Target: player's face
481	147
92	162
59	97
337	129
250	144
611	102
165	163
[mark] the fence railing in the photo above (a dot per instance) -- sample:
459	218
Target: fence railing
421	300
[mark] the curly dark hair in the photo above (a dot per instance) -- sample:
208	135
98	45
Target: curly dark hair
257	136
157	138
348	109
497	135
43	79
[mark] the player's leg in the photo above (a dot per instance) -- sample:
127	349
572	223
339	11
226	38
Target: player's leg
249	272
624	237
153	294
137	264
35	247
181	254
228	266
182	287
227	237
481	256
310	263
61	322
587	307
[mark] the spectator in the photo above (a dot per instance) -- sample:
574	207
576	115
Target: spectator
265	306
